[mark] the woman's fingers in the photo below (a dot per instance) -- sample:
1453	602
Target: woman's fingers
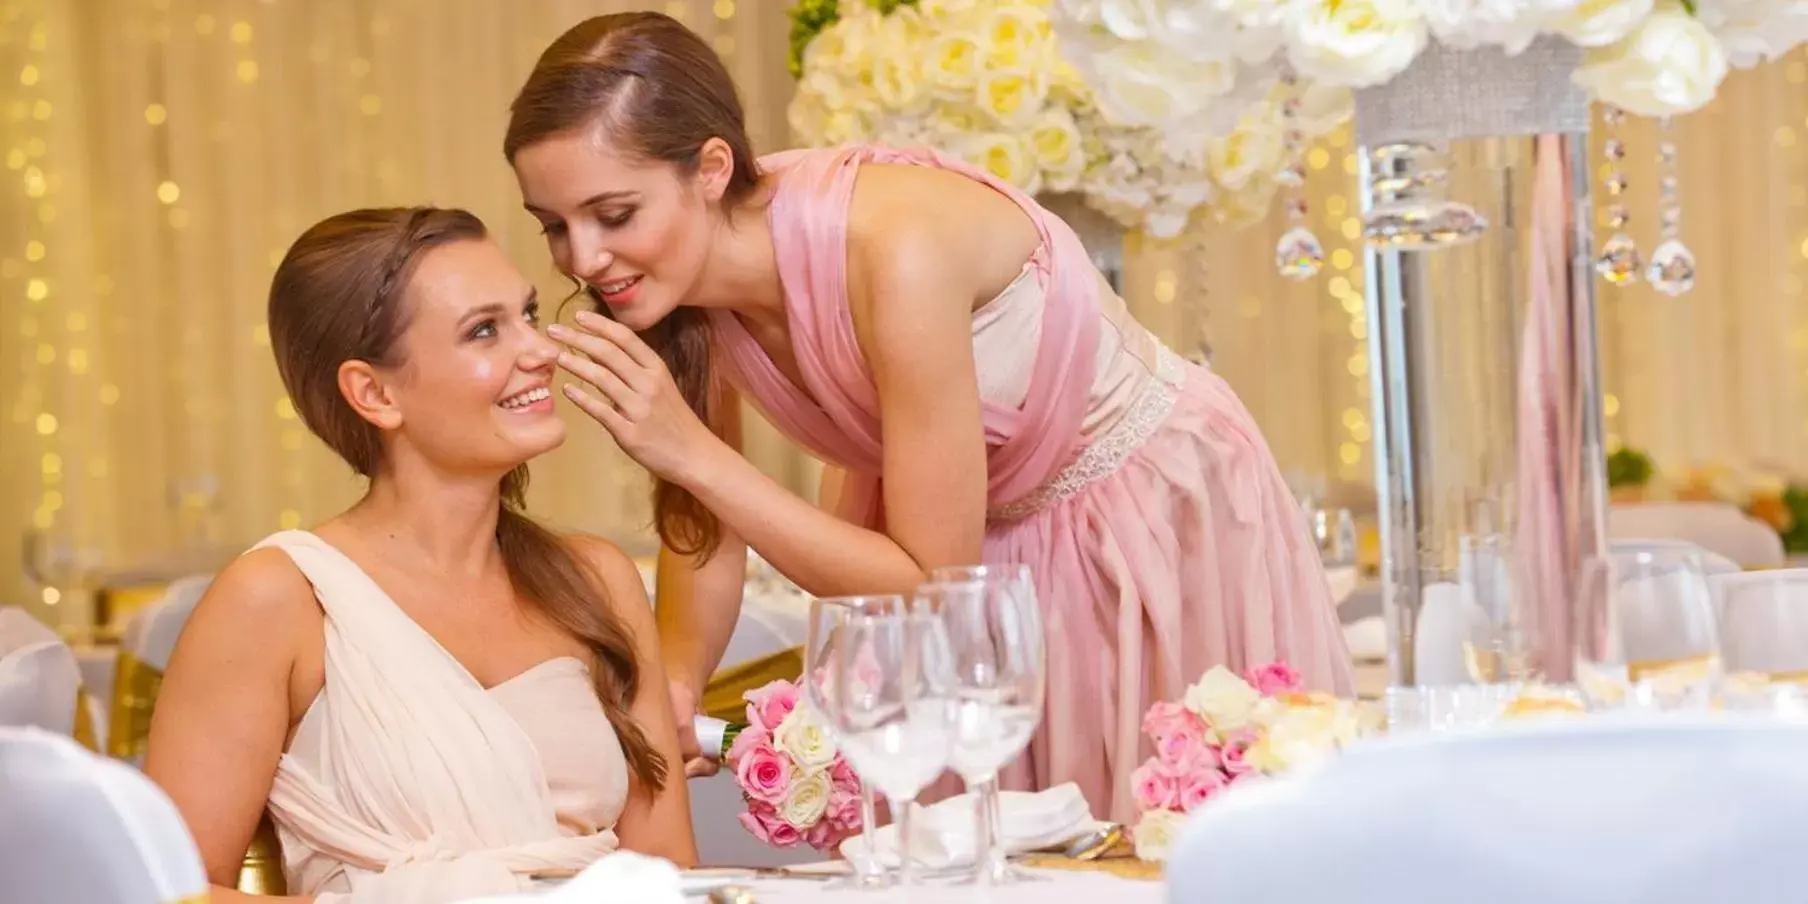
603	351
623	338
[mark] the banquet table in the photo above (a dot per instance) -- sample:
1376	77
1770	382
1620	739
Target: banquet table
1060	885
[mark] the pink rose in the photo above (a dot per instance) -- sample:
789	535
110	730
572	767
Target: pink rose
1230	756
1186	753
769	705
1273	678
1154	786
1171	720
844	796
820	836
763	822
764	774
1195	788
750	738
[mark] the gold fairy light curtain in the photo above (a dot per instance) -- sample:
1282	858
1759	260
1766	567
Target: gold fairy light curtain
161	154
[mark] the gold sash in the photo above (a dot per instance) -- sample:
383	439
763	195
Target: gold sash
85	734
135	687
722	698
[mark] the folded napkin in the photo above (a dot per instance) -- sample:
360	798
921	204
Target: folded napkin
942	835
621	876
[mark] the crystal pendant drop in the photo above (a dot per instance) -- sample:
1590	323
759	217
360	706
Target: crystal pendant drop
1298	254
1672	269
1619	262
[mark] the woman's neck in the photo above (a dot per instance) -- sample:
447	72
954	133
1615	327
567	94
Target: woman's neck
740	273
440	522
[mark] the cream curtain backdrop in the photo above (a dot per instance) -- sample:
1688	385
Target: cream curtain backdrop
161	154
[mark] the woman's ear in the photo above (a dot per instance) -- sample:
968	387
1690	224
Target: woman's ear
715	168
365	389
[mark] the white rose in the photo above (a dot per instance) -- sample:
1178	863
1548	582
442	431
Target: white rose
1322	108
1465	24
805	802
1752	31
1155	834
1671	64
1005	156
1355	43
945	7
1301	734
1223	699
951	63
1597	23
1011	98
1253	149
1143	85
1128	20
1014	37
803	739
1055	140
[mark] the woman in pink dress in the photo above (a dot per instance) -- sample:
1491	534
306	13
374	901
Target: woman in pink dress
941	342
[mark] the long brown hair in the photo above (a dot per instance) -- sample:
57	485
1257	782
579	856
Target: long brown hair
658	92
340	295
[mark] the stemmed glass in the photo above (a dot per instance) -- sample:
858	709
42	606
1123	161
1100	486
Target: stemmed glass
889	706
823	637
996	644
1646	635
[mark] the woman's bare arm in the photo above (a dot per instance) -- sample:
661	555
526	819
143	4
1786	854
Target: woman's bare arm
224	710
654	822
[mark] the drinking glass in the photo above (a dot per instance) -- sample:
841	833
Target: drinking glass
1645	634
822	638
1764	638
996	648
889	706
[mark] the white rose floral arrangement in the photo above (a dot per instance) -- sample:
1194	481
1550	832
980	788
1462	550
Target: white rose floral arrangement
987	81
1187	65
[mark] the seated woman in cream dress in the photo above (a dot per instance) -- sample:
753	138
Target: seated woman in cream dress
434	697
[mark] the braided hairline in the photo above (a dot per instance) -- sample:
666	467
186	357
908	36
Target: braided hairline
407	243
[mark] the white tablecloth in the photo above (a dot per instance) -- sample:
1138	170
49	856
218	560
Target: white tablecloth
1062	886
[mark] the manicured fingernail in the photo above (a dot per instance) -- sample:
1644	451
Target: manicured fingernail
590	318
556	330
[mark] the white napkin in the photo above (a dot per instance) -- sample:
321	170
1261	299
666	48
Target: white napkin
621	876
1366	638
942	835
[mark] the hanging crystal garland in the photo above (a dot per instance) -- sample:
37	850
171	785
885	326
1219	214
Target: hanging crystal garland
1201	255
1618	262
1299	254
1672	269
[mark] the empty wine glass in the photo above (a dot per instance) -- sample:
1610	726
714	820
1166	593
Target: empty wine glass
822	638
889	708
996	648
1645	634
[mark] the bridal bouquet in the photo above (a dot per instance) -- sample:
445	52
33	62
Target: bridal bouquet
986	81
1227	730
797	785
1182	64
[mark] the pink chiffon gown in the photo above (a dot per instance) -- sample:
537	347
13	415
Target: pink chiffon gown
1136	487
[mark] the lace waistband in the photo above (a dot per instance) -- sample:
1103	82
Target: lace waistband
1106	454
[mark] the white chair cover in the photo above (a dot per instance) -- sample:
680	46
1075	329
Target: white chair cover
40	681
1670	811
1714	526
152	631
79	828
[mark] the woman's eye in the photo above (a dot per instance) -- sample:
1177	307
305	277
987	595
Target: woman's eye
484	330
532	313
552	229
617	221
